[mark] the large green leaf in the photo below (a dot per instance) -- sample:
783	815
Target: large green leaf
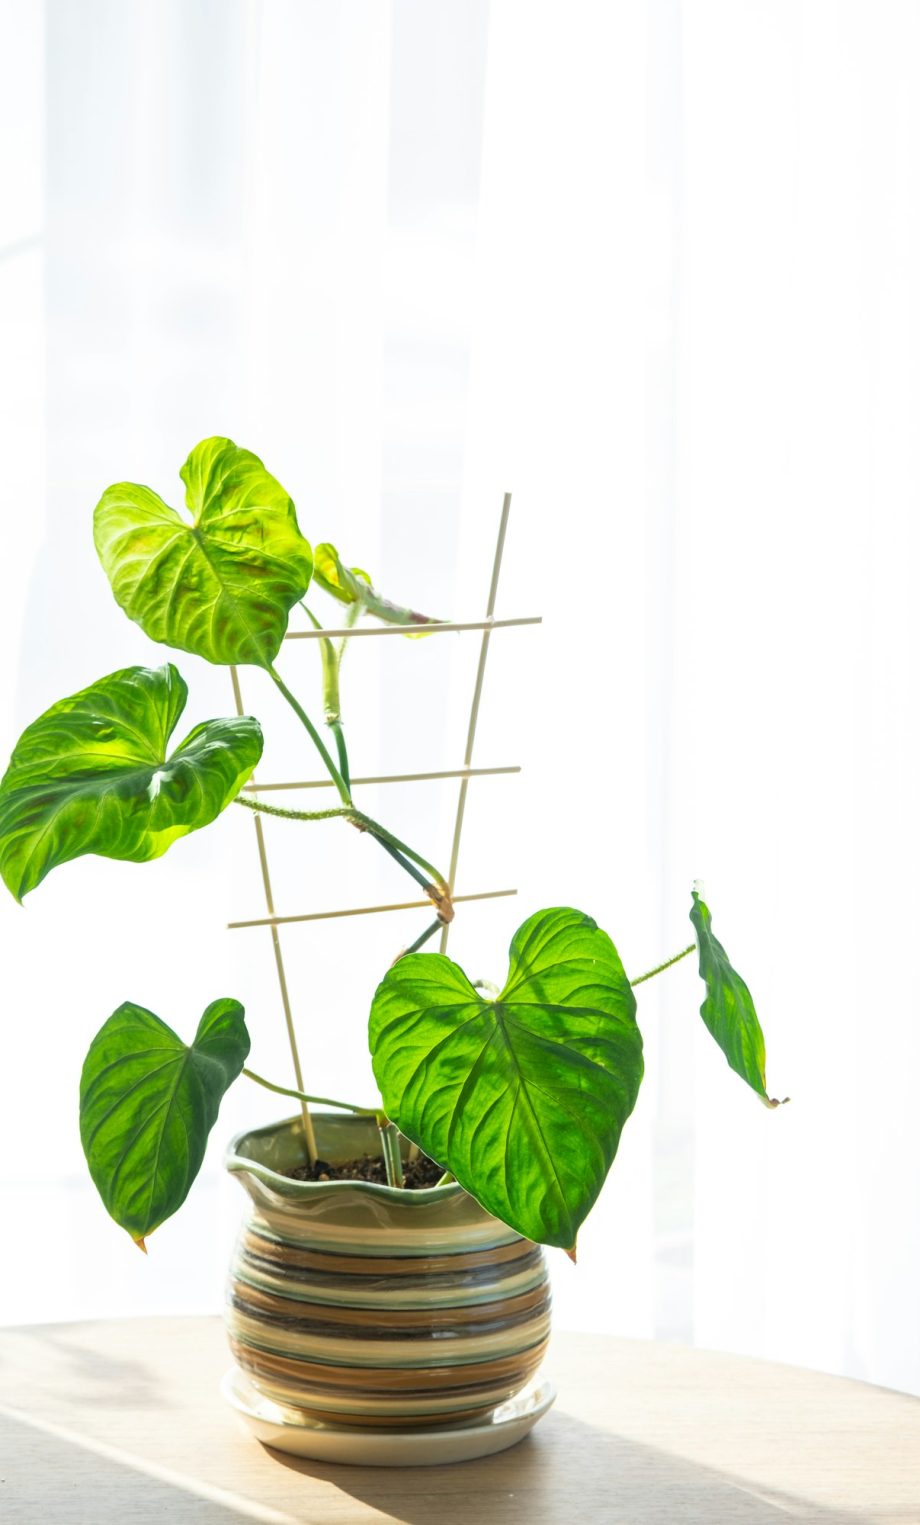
728	1009
352	586
92	775
147	1104
523	1098
222	585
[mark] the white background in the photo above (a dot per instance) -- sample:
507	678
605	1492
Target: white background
653	267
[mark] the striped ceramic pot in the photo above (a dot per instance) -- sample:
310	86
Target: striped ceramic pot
370	1305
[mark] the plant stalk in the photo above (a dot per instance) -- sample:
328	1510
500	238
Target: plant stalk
396	855
332	704
420	941
315	737
335	727
293	815
660	968
392	1159
352	615
396	849
405	856
385	836
319	1101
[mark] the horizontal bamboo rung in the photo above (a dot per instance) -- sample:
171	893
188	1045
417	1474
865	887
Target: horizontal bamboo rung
362	910
386	778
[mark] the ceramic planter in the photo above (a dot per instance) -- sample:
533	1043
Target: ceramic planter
354	1304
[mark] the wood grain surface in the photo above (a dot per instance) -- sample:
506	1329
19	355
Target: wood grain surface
121	1422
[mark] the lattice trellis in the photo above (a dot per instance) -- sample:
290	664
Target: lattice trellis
272	920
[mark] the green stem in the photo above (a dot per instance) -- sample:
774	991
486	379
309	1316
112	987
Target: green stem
352	615
335	727
315	737
392	1159
660	968
320	1101
332	704
439	891
385	837
404	863
293	815
445	1179
388	842
420	941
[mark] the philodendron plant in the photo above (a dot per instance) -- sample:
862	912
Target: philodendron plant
519	1093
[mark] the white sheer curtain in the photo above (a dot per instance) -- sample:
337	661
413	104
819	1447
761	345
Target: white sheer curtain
653	268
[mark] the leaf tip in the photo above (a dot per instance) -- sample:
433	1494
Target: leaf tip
772	1103
573	1254
141	1243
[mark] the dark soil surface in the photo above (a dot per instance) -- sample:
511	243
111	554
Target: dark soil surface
419	1173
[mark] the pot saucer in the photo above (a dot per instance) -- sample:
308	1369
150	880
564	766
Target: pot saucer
286	1429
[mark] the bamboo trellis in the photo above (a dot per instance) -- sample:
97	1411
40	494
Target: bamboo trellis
271	919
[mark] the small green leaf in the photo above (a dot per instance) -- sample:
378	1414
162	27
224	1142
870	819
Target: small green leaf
522	1098
728	1009
222	585
352	586
92	775
347	584
147	1104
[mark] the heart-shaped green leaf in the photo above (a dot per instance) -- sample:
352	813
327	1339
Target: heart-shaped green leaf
147	1104
92	775
523	1098
728	1009
351	586
222	585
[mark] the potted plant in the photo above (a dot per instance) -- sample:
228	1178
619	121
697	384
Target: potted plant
389	1280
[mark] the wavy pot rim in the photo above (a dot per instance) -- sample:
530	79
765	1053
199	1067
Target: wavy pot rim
237	1163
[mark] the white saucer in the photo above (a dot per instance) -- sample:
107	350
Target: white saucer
286	1429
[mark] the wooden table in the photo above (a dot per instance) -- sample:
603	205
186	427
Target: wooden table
121	1422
